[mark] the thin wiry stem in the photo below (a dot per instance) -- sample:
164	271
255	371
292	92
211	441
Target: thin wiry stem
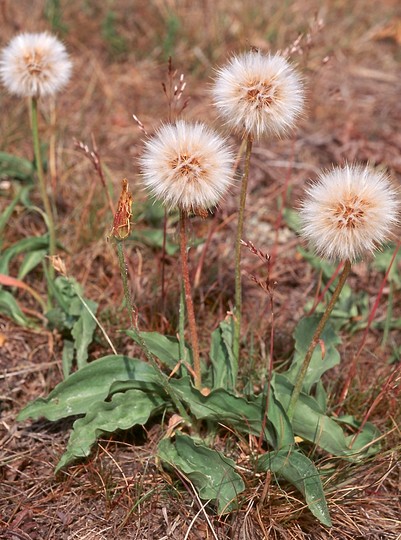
94	158
354	361
214	227
52	146
269	374
42	183
163	269
240	228
181	323
188	300
319	296
322	323
163	380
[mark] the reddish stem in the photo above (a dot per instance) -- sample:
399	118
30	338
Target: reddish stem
326	288
352	369
377	400
188	300
212	229
163	269
270	372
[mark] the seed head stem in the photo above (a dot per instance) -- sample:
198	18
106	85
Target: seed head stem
240	228
188	300
42	183
134	327
320	327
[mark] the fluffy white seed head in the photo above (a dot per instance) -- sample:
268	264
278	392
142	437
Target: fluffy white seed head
349	212
259	94
187	166
34	65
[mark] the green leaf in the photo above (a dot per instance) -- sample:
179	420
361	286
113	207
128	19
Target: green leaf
154	239
124	411
278	419
15	167
67	357
10	307
350	311
25	200
224	363
72	318
213	474
83	329
367	438
60	320
31	260
221	406
53	11
152	212
247	416
303	336
311	424
349	307
321	396
165	348
303	475
292	219
8	211
65	290
381	262
26	245
91	383
318	263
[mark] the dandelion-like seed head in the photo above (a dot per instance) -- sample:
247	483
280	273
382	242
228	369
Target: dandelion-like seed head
34	65
259	94
349	212
187	166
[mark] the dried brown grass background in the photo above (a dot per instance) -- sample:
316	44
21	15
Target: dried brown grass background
352	69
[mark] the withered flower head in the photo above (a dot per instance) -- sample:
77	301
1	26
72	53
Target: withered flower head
122	217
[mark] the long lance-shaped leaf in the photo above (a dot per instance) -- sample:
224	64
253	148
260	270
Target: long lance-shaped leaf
302	474
26	245
223	407
91	383
313	425
10	307
224	362
213	474
124	411
165	348
320	362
